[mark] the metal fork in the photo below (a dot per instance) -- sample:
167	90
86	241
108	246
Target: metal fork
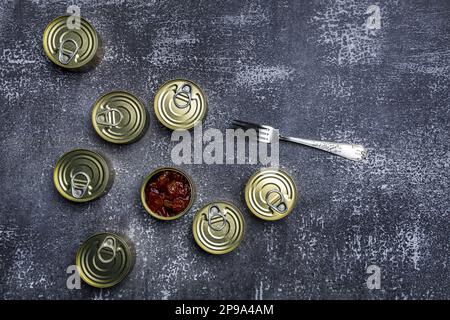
267	134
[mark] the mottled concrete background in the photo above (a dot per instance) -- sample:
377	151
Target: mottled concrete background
311	68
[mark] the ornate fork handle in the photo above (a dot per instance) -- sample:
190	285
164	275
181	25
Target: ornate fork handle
354	152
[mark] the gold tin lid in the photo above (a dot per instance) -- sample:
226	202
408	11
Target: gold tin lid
180	104
119	117
270	194
70	48
81	175
144	196
104	260
218	227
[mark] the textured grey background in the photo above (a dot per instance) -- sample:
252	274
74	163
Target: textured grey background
311	68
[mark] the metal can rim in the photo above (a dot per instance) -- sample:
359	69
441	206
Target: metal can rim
64	194
169	126
250	207
106	138
83	275
191	201
235	245
58	63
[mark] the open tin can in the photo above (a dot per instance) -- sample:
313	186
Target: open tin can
167	193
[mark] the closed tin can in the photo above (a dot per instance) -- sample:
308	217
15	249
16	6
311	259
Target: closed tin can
270	194
180	104
82	175
161	191
104	260
71	48
218	227
119	117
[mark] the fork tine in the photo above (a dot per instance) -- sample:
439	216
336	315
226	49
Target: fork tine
246	124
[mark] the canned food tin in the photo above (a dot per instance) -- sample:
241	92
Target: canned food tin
180	104
82	175
70	48
104	260
167	193
218	227
270	194
119	117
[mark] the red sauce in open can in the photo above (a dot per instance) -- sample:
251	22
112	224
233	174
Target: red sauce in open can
168	193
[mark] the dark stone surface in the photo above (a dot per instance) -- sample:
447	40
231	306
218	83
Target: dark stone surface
309	68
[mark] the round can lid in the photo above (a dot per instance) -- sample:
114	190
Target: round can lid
70	47
180	104
270	194
119	117
81	175
218	227
104	260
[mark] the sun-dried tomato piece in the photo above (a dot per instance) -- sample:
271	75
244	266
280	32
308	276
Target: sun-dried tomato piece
151	190
163	179
185	191
168	204
164	212
178	177
154	201
179	204
174	188
153	184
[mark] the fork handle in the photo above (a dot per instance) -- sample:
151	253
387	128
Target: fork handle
354	152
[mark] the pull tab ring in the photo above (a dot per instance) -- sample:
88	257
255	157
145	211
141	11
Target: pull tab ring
110	117
108	243
79	183
214	211
184	93
281	207
66	55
